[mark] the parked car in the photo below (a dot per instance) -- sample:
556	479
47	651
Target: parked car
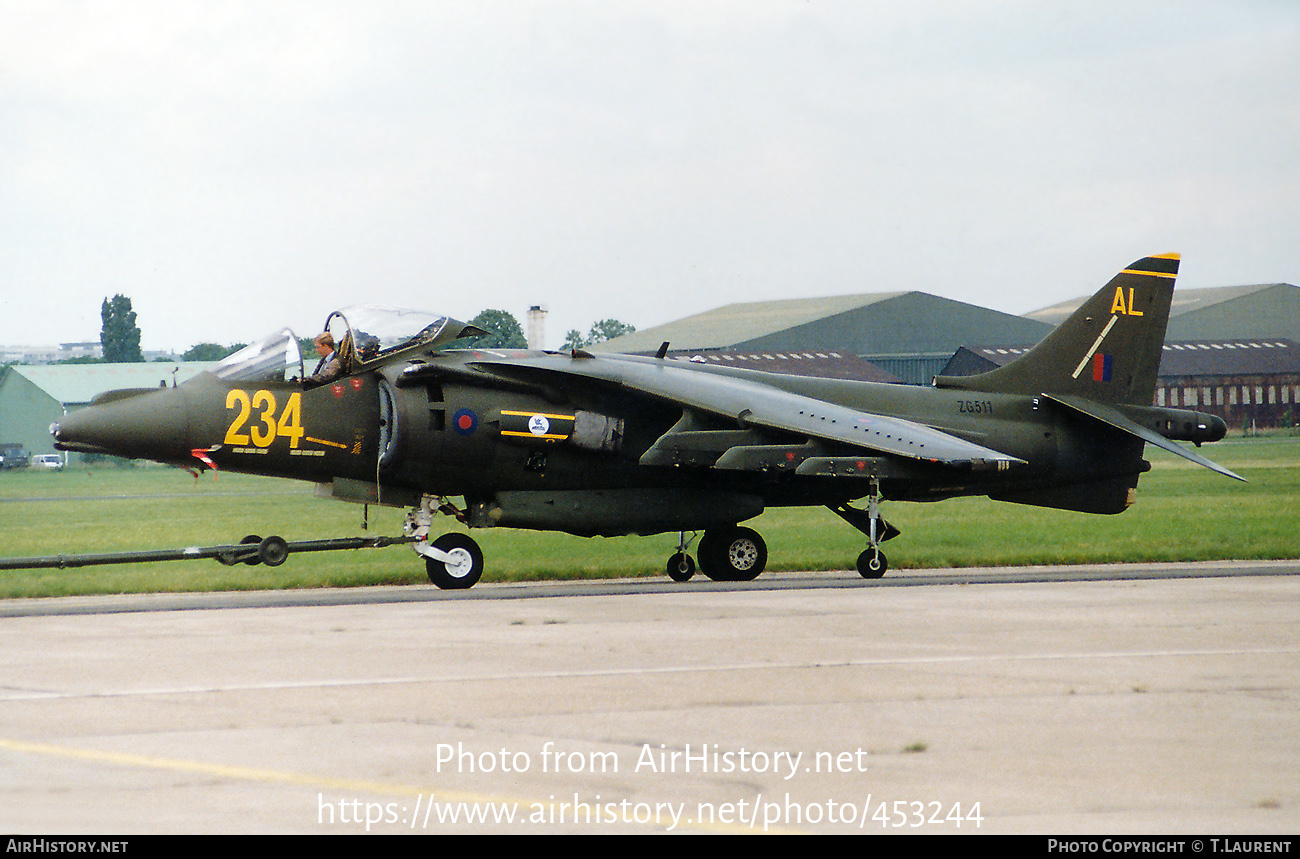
12	455
48	460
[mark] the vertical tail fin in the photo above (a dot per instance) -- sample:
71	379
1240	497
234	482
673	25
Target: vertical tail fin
1108	350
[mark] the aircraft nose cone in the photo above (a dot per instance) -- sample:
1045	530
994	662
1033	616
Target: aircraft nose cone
152	424
1217	428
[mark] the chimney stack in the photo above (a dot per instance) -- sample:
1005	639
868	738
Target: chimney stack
537	327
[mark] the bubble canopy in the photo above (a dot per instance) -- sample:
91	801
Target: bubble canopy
364	335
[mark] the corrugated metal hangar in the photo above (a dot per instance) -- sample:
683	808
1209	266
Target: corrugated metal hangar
911	335
1250	383
31	398
827	365
1264	311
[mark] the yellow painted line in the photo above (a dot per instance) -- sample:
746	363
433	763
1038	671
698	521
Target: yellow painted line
534	435
1149	273
526	808
543	414
329	443
236	772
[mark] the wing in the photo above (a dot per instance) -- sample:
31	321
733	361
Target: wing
749	403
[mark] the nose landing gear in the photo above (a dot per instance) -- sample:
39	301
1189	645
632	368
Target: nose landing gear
453	561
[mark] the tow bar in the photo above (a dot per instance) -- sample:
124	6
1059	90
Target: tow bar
252	550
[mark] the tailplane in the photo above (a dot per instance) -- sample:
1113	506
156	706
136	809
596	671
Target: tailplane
1108	351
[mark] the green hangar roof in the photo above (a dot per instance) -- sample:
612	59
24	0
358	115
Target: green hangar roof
76	384
890	324
1268	310
33	397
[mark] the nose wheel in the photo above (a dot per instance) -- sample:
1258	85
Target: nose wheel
455	562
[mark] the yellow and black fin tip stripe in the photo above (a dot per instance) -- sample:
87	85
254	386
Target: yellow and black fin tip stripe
1164	265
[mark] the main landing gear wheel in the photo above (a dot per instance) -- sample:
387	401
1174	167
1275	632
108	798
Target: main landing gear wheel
732	554
681	567
463	569
872	564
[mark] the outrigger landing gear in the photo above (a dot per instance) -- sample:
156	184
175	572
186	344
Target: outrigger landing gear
872	563
453	561
681	566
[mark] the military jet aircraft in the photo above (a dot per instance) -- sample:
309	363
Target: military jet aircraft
620	444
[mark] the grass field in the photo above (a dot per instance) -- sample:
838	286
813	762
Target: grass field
1183	513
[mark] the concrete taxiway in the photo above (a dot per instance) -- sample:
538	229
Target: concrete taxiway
1098	700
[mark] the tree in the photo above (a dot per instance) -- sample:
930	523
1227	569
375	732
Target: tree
209	352
605	329
120	337
503	331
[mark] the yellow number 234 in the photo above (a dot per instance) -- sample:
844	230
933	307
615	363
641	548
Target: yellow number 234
266	427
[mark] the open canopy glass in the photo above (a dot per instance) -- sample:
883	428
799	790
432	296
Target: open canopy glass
364	335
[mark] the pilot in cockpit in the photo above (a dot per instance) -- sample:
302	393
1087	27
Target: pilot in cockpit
330	366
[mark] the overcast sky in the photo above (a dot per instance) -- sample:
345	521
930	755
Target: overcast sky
235	167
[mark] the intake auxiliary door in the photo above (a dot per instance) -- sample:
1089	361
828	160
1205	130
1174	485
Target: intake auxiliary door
389	429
